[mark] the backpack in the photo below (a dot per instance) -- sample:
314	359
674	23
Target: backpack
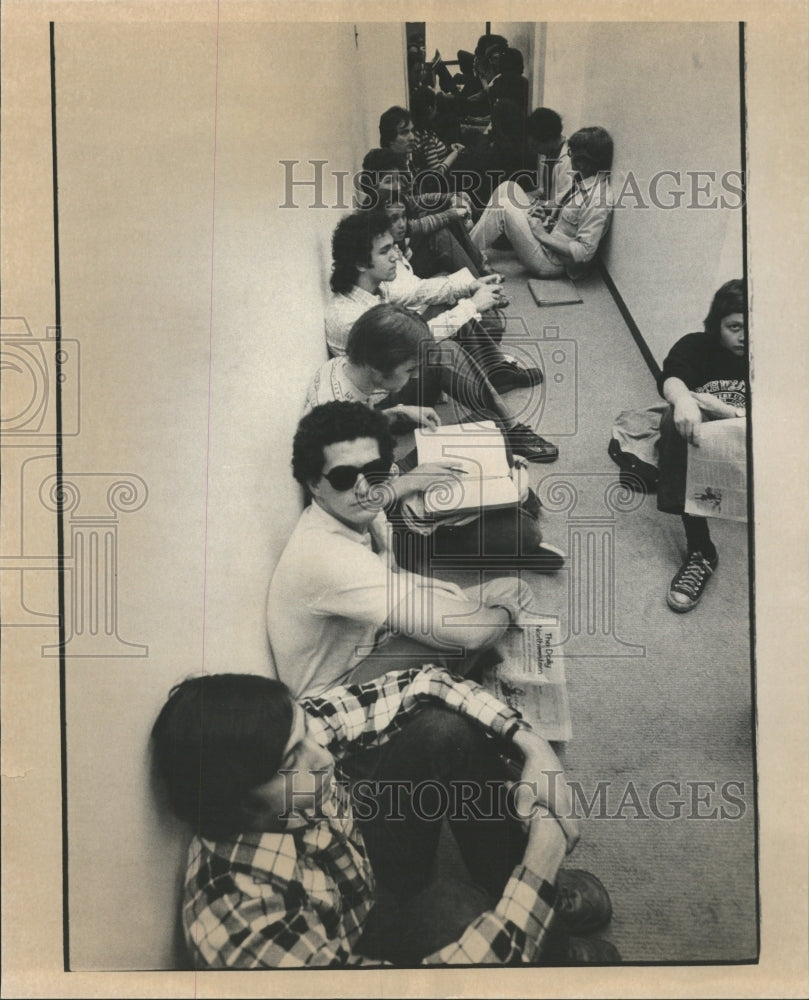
633	447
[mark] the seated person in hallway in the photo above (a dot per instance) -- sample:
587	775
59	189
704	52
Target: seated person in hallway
510	84
430	152
365	261
546	176
438	223
430	297
566	237
337	595
382	357
704	377
288	868
493	161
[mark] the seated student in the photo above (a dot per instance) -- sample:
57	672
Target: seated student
510	84
430	152
365	261
337	594
288	869
438	235
431	296
501	154
704	377
566	237
382	357
547	169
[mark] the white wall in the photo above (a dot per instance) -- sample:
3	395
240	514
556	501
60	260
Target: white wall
198	303
669	96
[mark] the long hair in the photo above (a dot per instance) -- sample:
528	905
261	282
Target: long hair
351	246
730	298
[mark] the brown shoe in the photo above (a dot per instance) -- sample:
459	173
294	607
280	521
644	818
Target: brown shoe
582	903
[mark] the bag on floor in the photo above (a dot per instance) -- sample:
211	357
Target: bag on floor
634	446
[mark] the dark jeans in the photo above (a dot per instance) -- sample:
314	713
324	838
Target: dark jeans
449	367
445	251
441	765
493	540
673	464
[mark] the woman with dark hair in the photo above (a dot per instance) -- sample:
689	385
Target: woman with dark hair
704	378
563	237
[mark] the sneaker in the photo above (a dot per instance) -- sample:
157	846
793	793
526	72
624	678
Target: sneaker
582	951
689	582
509	375
525	442
582	903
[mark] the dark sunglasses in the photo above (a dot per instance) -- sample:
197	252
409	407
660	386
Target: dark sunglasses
343	477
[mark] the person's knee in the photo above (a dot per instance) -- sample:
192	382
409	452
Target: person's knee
446	731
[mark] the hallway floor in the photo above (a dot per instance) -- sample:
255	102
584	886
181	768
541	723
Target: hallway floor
662	740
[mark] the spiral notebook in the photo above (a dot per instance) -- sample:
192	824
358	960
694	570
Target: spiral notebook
554	292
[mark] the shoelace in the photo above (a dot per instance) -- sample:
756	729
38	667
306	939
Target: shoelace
693	576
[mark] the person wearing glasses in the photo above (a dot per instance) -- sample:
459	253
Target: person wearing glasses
562	237
339	609
381	370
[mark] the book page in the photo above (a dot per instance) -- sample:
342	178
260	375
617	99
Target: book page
477	454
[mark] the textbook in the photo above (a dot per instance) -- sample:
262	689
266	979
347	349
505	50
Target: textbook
554	291
477	454
530	677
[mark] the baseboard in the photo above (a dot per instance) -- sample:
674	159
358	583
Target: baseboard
629	319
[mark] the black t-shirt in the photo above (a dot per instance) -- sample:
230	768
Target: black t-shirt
700	360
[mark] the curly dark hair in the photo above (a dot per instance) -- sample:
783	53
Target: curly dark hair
389	122
730	298
217	737
351	246
332	422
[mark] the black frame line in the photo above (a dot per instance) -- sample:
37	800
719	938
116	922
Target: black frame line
60	527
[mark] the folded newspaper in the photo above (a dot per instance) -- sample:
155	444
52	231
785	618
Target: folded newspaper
716	477
530	677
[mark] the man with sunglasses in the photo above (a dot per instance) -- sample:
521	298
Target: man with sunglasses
339	609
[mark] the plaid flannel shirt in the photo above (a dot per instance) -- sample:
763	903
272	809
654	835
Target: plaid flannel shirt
301	899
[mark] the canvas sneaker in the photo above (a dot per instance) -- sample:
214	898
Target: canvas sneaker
689	582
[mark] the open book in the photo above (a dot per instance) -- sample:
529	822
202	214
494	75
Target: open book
531	677
554	291
477	454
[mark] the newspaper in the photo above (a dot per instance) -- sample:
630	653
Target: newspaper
531	677
716	478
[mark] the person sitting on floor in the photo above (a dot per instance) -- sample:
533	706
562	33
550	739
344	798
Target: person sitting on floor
547	169
382	358
365	261
565	237
430	152
501	154
510	84
438	221
288	868
337	594
704	377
